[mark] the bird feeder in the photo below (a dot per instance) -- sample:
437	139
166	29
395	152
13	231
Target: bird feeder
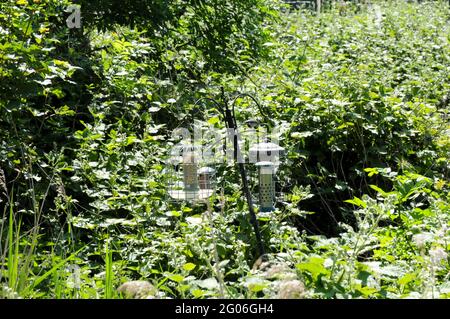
206	177
189	178
267	157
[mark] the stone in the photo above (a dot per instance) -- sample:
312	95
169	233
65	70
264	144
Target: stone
138	289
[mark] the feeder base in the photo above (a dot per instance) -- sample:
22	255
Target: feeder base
191	195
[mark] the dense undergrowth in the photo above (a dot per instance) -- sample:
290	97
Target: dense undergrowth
359	95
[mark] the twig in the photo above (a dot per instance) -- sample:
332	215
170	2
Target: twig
216	254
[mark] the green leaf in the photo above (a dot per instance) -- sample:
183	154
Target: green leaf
314	266
379	190
197	293
189	266
371	171
406	279
213	120
357	202
175	277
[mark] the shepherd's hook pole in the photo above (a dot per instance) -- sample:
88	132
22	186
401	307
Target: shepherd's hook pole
231	123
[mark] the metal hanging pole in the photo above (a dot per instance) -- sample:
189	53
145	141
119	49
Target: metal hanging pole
231	124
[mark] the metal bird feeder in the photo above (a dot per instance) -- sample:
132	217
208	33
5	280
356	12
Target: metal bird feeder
190	179
267	157
193	179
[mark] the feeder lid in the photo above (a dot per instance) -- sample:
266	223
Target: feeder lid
252	123
206	170
266	148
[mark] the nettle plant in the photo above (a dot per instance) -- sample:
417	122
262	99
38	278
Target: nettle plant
397	249
361	99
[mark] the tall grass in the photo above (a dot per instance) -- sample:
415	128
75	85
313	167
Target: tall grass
20	279
19	261
109	275
13	249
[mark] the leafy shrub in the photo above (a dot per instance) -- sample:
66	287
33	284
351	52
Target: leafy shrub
360	100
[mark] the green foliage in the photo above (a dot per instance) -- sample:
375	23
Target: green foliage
358	91
359	95
218	35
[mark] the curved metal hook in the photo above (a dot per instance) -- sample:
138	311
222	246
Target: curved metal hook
217	104
263	114
196	110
